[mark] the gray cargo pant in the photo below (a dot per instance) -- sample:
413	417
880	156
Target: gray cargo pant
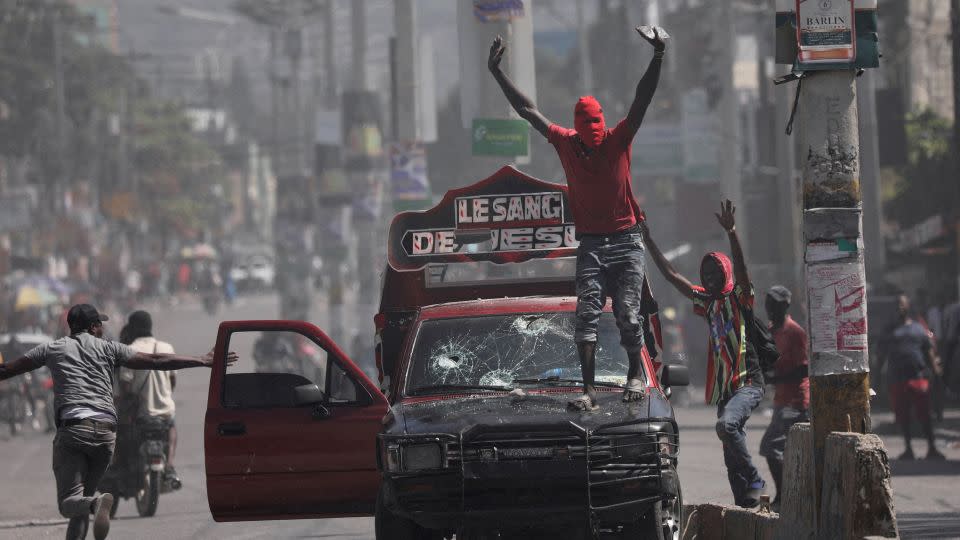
81	454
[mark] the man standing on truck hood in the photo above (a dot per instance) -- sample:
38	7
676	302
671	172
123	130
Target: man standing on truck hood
82	366
610	259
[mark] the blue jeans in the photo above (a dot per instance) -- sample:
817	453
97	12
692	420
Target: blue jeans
732	415
610	265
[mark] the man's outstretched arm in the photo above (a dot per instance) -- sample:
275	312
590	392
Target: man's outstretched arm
19	366
729	224
520	102
676	279
166	362
651	78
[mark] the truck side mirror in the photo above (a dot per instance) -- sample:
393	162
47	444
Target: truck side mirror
308	394
675	375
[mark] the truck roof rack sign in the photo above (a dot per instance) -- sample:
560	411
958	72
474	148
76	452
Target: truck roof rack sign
507	218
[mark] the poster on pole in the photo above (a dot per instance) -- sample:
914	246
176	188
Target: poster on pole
408	176
826	32
838	309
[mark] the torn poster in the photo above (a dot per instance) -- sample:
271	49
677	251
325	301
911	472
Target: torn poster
838	309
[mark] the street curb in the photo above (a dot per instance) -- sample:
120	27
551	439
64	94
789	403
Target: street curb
32	523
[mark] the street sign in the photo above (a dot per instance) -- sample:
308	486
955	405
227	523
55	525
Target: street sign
825	31
658	150
408	176
497	10
701	140
500	137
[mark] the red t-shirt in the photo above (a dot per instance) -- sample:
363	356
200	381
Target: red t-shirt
601	192
791	342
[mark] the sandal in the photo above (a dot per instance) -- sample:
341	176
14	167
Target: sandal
583	403
634	390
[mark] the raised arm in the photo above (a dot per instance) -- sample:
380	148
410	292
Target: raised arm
166	362
656	36
520	102
729	224
19	366
679	282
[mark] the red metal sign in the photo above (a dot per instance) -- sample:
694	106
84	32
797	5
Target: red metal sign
508	217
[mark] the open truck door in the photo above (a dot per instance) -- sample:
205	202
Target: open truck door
290	429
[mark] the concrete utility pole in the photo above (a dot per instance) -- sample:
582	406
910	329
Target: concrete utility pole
876	257
832	225
729	106
955	34
405	24
61	116
583	49
358	30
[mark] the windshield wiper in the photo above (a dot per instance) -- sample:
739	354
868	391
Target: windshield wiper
558	380
433	388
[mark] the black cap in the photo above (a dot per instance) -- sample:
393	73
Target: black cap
82	316
780	293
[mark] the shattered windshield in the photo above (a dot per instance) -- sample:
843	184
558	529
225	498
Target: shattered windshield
495	351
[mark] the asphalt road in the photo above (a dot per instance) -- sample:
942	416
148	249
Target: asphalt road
927	500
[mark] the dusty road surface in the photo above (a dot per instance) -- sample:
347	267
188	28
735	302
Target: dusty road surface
927	498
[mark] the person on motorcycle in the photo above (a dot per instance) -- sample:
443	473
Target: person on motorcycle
150	392
82	365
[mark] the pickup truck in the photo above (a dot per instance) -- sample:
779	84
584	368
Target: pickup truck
467	432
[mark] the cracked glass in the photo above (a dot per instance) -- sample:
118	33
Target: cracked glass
498	349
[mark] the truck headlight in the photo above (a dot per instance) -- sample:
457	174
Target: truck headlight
391	457
634	447
418	457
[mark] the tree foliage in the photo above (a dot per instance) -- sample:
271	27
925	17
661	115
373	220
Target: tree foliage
926	186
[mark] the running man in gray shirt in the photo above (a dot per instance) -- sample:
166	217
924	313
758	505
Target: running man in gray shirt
82	366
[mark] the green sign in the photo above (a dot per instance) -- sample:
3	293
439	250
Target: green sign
500	137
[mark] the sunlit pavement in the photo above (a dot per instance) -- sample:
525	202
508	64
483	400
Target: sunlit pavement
927	500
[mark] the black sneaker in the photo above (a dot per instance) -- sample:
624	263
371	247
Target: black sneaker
907	455
101	516
752	497
935	455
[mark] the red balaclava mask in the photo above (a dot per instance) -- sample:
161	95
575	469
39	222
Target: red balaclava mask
588	121
726	267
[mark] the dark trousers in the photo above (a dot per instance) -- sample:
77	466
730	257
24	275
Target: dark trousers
81	455
732	416
774	440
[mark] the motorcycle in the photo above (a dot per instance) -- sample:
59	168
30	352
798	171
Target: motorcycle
139	466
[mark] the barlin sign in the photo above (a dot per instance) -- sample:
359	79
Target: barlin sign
508	217
826	31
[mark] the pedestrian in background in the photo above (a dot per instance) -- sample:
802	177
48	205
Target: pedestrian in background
790	376
734	378
907	351
82	366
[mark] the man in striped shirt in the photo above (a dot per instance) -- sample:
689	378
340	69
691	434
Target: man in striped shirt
734	378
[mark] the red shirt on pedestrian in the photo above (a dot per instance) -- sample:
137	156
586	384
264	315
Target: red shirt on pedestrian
791	340
601	190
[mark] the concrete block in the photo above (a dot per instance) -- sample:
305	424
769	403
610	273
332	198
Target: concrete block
857	496
798	512
719	522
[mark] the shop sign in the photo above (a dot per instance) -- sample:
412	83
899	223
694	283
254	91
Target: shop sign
500	137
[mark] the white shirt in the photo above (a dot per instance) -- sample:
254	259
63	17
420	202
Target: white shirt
154	387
